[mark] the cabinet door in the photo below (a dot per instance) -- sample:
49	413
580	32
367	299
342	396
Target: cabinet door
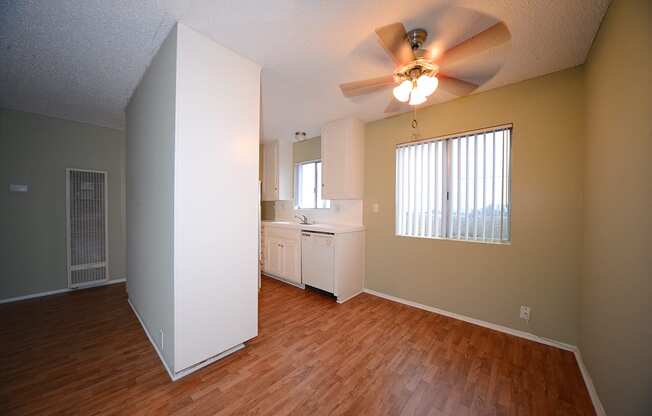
342	152
332	147
273	256
270	172
291	263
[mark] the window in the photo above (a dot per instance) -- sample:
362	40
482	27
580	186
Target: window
308	186
455	187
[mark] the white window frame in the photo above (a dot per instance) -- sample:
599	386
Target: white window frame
446	179
297	186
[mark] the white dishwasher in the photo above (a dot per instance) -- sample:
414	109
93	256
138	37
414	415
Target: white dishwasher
317	260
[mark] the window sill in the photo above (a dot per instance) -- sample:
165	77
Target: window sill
493	243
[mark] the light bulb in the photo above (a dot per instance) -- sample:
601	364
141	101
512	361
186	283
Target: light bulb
417	97
427	84
402	91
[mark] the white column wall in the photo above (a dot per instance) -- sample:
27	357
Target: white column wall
215	199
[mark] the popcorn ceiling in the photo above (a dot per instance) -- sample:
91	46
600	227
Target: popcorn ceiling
81	60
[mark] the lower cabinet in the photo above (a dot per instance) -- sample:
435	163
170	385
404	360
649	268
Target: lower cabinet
341	272
282	255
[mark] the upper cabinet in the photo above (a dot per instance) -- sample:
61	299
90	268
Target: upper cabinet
277	171
342	152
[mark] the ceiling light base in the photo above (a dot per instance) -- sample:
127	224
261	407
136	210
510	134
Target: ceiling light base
415	69
417	37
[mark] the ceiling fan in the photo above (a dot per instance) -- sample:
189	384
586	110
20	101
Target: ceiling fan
417	73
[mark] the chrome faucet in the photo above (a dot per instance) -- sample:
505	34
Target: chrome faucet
302	219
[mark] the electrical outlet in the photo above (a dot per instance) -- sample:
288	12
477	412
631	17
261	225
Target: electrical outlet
525	313
161	339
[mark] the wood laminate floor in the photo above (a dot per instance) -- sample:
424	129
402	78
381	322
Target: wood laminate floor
86	353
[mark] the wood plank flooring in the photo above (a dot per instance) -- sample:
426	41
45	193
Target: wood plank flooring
85	353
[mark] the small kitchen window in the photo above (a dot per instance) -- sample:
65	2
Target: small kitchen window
307	182
456	187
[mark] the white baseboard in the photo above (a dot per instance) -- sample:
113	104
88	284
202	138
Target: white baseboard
151	340
350	297
496	327
588	381
597	404
208	361
280	279
58	291
186	371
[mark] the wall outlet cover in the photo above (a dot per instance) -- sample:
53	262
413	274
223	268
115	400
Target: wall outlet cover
525	313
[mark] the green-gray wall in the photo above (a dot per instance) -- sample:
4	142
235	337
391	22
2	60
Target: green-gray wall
36	150
616	285
306	150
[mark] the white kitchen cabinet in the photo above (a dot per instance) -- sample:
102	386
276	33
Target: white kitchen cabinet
273	256
277	171
328	257
342	153
282	254
291	260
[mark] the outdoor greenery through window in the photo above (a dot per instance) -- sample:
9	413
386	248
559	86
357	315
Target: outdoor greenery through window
308	186
456	187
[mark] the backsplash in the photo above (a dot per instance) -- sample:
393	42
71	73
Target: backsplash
340	212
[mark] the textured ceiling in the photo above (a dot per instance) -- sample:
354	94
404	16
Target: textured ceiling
81	60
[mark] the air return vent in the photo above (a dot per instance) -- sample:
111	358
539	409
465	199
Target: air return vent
87	227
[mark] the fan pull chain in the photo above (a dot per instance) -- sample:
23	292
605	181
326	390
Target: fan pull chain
415	125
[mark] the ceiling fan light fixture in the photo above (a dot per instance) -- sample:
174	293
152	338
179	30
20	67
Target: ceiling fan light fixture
417	97
427	84
402	91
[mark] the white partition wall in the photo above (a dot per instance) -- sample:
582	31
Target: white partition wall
216	199
201	189
150	199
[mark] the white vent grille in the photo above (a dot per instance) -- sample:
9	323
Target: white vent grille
87	227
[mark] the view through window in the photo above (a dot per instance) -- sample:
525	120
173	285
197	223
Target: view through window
455	187
308	186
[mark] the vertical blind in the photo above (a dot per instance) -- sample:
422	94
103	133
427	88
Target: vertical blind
455	187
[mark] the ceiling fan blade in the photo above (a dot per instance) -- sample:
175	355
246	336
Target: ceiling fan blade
490	38
455	85
352	89
394	39
394	106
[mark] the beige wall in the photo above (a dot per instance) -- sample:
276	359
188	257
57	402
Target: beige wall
541	267
616	285
36	150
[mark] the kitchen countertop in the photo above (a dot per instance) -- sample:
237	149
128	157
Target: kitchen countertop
326	228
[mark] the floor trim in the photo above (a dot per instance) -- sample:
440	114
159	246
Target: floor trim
208	361
58	291
151	340
588	382
349	298
186	371
496	327
280	279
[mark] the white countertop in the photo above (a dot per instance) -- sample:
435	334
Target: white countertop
326	228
